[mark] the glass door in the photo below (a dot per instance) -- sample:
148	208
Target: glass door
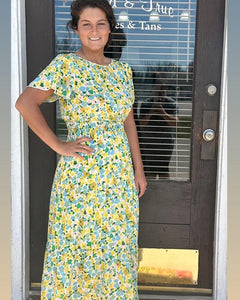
175	51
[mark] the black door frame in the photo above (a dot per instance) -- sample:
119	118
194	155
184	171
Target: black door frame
40	31
212	47
41	13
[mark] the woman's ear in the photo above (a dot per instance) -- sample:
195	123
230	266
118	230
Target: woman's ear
75	30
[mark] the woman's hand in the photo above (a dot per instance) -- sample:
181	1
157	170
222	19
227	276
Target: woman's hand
157	109
73	148
141	183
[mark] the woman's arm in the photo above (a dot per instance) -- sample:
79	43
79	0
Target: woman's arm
131	131
28	104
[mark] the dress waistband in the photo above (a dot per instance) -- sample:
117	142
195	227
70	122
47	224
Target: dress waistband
93	129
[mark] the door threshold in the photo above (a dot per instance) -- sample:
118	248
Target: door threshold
174	293
170	297
36	295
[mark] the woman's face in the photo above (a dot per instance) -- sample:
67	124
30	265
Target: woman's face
93	29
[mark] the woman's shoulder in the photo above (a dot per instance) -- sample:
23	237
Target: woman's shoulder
63	63
122	64
124	68
63	57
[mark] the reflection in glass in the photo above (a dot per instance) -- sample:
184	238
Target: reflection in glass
163	114
158	120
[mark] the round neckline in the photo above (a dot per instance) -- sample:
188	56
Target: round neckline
91	62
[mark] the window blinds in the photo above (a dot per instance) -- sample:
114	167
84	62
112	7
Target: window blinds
157	38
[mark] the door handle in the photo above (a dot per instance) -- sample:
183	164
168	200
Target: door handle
209	134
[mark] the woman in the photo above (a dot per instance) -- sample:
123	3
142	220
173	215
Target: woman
91	252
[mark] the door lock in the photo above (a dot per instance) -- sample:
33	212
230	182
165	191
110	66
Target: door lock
208	135
211	89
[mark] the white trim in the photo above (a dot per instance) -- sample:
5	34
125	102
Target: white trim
19	155
19	167
220	228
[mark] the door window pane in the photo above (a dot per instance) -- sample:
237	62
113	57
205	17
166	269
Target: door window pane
157	39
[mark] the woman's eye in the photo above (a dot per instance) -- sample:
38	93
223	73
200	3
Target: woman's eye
86	25
102	24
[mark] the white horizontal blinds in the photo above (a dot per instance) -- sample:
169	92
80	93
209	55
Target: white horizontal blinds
157	38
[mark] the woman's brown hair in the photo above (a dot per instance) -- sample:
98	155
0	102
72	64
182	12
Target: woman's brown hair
78	6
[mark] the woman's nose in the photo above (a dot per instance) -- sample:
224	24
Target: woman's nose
94	28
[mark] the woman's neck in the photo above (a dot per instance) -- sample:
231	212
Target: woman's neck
95	57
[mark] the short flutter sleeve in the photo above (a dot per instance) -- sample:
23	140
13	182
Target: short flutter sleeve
56	76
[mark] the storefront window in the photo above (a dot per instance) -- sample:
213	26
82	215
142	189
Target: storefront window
157	38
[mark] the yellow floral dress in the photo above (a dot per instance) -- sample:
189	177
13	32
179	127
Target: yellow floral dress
91	251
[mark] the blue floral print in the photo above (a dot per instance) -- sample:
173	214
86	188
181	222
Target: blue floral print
91	251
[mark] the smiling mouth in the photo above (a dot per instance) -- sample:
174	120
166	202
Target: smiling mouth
94	39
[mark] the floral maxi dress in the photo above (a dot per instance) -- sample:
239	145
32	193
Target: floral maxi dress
91	250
